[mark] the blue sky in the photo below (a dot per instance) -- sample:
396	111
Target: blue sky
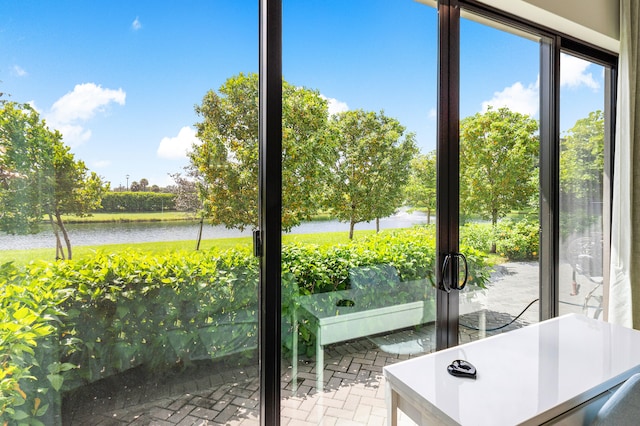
120	79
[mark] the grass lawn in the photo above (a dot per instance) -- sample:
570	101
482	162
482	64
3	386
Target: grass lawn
48	254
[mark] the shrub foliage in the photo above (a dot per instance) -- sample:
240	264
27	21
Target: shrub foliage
518	240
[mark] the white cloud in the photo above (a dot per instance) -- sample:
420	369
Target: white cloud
516	97
525	100
73	134
19	71
178	146
84	101
335	106
79	105
432	114
136	24
573	73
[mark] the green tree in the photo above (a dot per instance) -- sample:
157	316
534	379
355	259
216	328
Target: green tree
421	188
499	163
582	158
227	158
41	178
77	192
144	183
371	168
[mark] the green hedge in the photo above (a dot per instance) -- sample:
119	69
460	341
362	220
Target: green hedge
70	323
132	202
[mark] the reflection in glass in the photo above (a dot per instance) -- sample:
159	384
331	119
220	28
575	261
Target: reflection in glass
581	187
499	191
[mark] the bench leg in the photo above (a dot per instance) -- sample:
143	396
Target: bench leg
319	365
294	356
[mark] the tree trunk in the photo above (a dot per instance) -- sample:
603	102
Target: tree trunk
59	251
377	225
352	225
64	234
428	215
494	224
199	234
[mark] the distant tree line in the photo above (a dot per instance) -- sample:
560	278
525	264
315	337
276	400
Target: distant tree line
141	186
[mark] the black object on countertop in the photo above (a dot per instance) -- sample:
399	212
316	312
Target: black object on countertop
462	368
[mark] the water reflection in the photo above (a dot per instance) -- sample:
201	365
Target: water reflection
139	232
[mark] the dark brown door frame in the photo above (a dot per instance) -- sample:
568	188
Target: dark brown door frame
268	240
448	149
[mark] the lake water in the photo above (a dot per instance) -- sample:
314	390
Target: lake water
137	232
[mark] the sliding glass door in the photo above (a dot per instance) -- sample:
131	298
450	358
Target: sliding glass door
358	192
498	178
522	191
397	239
359	156
583	194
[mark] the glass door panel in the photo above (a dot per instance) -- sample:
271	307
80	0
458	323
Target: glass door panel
582	160
359	127
499	193
118	305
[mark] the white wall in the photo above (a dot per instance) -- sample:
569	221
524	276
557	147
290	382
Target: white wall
593	21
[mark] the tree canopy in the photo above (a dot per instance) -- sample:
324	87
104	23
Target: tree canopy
371	167
227	157
421	188
77	191
582	174
498	163
26	165
582	159
355	163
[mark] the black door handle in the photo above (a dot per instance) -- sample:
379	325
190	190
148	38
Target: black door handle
454	285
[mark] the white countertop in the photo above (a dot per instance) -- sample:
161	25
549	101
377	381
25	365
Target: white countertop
537	371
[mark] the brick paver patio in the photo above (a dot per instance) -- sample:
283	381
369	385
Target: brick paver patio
354	391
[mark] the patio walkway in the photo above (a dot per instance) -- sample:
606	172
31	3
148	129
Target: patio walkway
354	392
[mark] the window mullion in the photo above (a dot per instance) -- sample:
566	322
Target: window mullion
549	175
